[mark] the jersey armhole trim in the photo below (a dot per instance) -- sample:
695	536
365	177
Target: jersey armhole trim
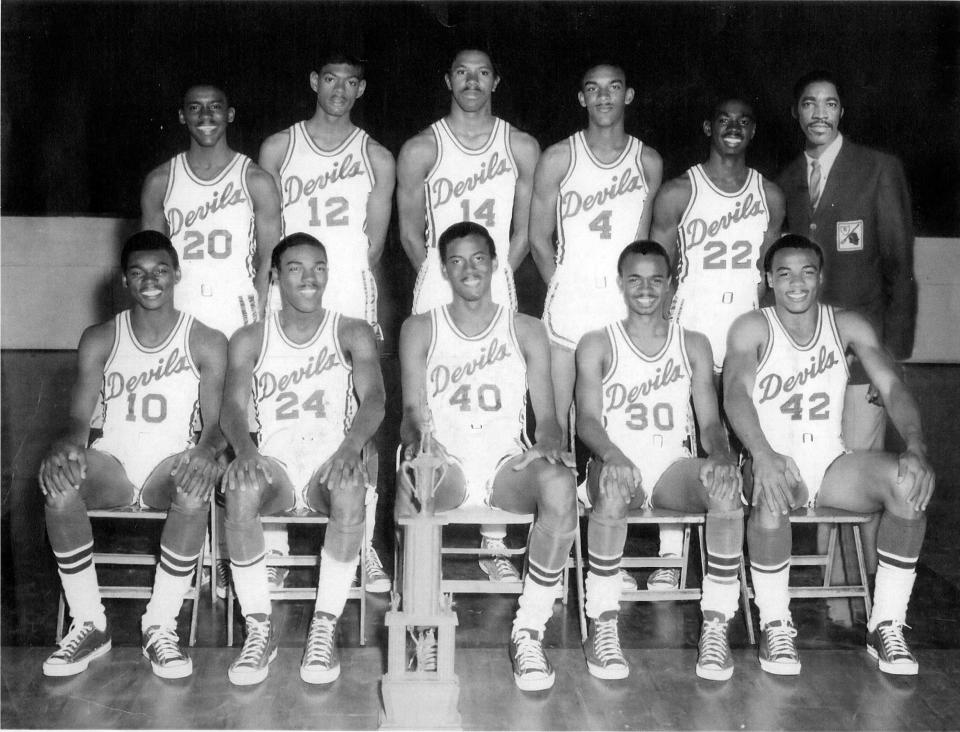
335	335
292	132
367	166
508	131
171	177
119	323
434	327
571	166
834	328
435	129
269	323
684	356
771	334
611	332
187	331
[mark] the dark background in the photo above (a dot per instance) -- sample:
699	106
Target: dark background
90	91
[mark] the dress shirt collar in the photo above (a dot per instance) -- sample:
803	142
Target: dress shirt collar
826	159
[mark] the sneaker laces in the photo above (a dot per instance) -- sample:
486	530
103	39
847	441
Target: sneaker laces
223	572
258	635
166	644
74	637
425	650
530	655
606	642
891	635
320	641
500	561
373	565
780	640
713	643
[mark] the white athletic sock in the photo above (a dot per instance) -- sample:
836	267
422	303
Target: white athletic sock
671	540
891	595
333	586
371	514
536	606
493	531
603	594
276	539
772	594
720	597
166	600
250	583
82	592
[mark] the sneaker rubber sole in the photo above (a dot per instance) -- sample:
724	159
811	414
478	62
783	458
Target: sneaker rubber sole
378	586
535	683
780	668
608	672
898	669
246	677
717	674
77	667
320	676
170	672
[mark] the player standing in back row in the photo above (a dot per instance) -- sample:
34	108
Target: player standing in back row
336	183
222	213
594	190
468	166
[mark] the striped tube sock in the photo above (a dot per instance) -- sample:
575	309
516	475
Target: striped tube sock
536	602
771	591
250	582
80	587
170	585
898	548
721	589
334	582
603	584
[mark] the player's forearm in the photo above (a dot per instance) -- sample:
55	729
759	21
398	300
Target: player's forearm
594	436
905	415
414	246
544	257
745	421
212	439
261	283
366	423
234	426
519	246
715	442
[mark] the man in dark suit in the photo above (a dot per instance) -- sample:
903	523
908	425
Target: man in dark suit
854	202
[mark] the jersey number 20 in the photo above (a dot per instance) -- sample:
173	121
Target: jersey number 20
218	244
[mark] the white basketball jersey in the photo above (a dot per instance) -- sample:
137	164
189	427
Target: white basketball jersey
799	389
598	212
720	235
325	194
149	395
468	185
646	399
211	225
477	387
303	393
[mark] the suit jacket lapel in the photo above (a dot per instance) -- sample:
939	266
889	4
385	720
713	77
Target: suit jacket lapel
839	171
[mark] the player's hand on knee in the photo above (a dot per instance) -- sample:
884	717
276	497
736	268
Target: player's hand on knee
63	468
776	477
242	472
721	477
915	476
195	473
344	469
620	478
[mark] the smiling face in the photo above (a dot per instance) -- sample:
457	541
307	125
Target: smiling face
206	114
472	80
605	94
645	283
469	266
732	127
150	277
338	87
795	277
818	110
302	277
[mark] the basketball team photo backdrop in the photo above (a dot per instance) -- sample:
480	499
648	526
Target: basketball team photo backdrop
90	100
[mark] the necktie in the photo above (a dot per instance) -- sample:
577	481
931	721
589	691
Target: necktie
814	185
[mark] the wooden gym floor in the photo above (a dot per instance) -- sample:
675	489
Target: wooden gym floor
839	687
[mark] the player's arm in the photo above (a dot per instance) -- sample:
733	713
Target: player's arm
776	213
526	151
619	475
775	476
272	152
653	173
242	353
65	464
548	438
151	199
380	201
345	468
668	208
415	426
720	473
416	158
197	471
895	233
549	174
265	197
914	467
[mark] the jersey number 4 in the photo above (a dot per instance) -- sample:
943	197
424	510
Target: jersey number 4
819	406
289	402
218	244
715	255
602	224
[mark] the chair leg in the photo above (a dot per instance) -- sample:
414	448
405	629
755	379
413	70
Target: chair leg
363	587
831	554
230	613
685	556
861	565
745	603
61	616
213	554
196	593
581	588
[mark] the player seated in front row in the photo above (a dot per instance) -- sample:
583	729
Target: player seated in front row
635	379
307	368
466	368
153	366
784	380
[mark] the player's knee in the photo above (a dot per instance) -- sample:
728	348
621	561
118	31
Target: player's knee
766	520
725	507
61	502
610	507
189	503
346	506
558	497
